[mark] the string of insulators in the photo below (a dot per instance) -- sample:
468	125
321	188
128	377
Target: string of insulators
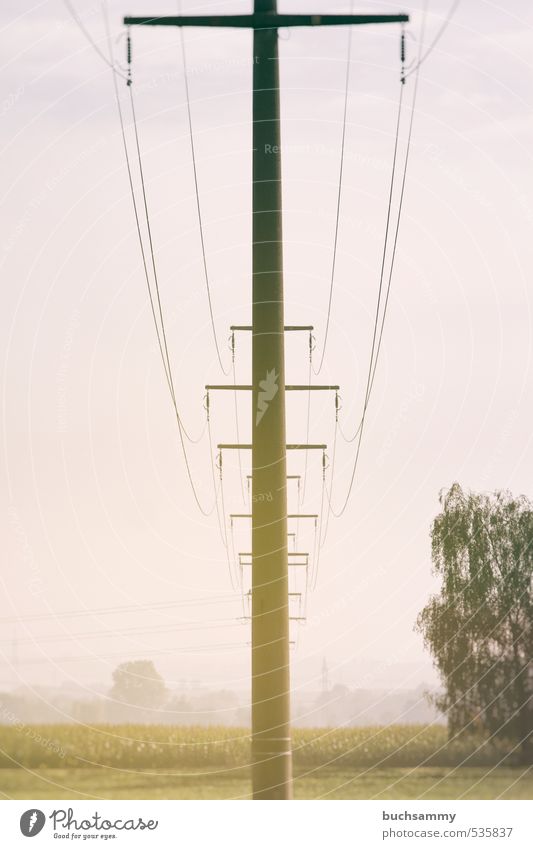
128	56
206	404
337	406
311	347
232	346
402	55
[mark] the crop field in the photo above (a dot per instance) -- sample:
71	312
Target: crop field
161	762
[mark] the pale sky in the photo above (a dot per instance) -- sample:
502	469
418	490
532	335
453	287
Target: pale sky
95	506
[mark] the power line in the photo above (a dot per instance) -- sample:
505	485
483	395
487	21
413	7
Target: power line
166	362
209	647
440	33
236	408
377	347
339	196
128	632
324	532
90	39
313	577
111	64
218	490
308	424
238	568
166	355
118	609
198	206
382	267
163	347
150	243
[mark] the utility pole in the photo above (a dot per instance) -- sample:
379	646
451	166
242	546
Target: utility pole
271	742
271	734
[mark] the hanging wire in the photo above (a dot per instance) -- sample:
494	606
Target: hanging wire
316	558
214	465
308	424
238	567
198	206
372	369
236	407
382	268
225	539
223	529
339	197
444	26
312	579
181	430
161	335
324	532
77	20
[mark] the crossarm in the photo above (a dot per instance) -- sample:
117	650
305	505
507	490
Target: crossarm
262	20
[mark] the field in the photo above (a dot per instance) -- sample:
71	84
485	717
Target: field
424	782
165	762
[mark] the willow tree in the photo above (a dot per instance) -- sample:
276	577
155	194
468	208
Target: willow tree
479	627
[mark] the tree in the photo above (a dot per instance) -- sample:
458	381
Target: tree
479	627
138	683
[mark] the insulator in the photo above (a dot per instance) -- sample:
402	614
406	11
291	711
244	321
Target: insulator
128	49
402	48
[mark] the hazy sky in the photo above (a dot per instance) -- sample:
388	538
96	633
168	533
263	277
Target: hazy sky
96	508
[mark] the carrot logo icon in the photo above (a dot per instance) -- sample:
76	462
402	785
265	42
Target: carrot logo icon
268	388
32	822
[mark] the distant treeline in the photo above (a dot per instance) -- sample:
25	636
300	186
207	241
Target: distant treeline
338	706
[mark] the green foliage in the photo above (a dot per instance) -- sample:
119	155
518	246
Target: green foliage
137	683
138	747
479	628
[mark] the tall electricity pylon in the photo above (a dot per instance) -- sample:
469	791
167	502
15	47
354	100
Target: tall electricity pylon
271	740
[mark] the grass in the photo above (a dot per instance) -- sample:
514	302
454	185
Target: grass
177	762
393	783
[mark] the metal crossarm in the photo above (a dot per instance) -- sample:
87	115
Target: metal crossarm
289	477
263	20
247	446
288	327
291	554
245	387
289	515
